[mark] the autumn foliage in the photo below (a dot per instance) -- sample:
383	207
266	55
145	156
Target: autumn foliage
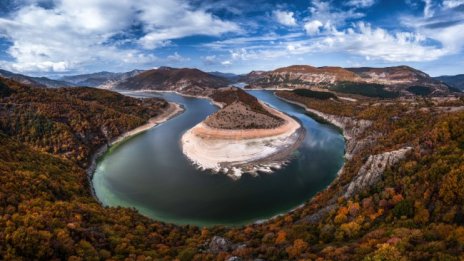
47	211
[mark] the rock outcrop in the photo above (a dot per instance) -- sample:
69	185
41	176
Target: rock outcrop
352	130
371	172
219	244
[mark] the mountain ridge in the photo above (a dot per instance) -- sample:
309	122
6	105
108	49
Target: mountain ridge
103	79
186	80
34	81
396	79
455	81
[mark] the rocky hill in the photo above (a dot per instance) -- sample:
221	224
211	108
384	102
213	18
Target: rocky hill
399	80
455	81
34	81
184	80
103	80
241	111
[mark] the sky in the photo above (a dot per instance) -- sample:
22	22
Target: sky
64	37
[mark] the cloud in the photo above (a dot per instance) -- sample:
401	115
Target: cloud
331	16
361	39
173	19
285	18
428	8
313	27
214	60
210	60
377	43
361	3
176	58
67	34
331	30
444	25
452	3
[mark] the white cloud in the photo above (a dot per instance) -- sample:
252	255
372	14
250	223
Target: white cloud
377	43
73	34
444	25
324	12
313	27
427	39
285	18
324	17
360	39
173	19
210	60
361	3
176	58
452	3
428	5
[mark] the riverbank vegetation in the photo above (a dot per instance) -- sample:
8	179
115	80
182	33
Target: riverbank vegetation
47	212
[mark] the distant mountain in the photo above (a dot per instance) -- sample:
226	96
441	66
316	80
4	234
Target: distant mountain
385	82
104	80
455	81
34	81
185	80
229	76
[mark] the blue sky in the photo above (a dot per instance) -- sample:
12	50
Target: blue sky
58	37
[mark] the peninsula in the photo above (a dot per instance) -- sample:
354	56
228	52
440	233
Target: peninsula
245	135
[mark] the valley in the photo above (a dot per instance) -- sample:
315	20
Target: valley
399	182
232	130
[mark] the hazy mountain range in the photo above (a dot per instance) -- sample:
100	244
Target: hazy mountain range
34	81
100	79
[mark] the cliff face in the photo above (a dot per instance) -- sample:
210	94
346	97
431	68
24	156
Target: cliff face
371	172
185	80
398	79
353	131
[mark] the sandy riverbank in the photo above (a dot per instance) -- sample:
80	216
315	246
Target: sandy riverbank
170	112
237	151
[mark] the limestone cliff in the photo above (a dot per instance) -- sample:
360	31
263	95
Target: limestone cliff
371	172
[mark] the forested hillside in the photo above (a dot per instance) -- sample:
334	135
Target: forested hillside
414	212
72	122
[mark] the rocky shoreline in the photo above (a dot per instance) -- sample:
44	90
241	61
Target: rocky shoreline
353	131
350	128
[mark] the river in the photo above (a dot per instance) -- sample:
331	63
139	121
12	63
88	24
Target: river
149	172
